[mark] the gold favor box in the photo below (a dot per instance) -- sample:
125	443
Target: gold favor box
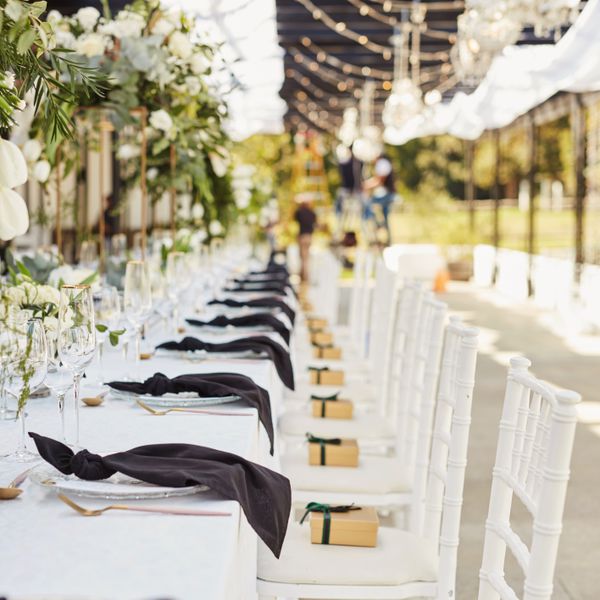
329	377
342	455
334	409
321	338
316	323
352	528
330	352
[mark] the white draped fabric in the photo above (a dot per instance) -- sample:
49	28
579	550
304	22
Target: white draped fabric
247	30
521	78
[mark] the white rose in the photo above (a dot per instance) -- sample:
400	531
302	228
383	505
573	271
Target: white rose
215	228
128	151
152	174
163	27
32	149
129	24
51	327
180	45
197	211
65	39
194	85
91	44
15	295
87	17
160	119
242	199
13	168
14	218
41	171
199	63
54	17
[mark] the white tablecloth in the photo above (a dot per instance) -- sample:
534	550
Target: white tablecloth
49	551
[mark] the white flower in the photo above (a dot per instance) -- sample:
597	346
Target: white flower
32	150
14	218
152	174
87	17
65	39
163	27
199	237
69	275
197	211
129	24
243	171
13	168
218	163
160	119
128	151
51	327
180	45
91	44
194	85
8	80
54	17
41	171
242	199
215	228
199	63
252	218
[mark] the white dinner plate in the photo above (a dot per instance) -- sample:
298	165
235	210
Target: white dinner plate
183	400
117	487
204	355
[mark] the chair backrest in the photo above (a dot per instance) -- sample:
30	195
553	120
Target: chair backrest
448	457
532	463
357	288
362	327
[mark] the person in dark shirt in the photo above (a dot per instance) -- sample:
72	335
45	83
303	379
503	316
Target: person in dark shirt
307	220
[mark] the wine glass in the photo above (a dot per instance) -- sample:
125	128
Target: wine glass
178	277
107	306
161	298
76	341
5	352
88	255
26	369
59	380
137	301
118	245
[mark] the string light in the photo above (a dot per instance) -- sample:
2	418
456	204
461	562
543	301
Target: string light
341	28
390	6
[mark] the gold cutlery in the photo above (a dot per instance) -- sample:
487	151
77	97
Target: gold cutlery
89	512
13	490
160	413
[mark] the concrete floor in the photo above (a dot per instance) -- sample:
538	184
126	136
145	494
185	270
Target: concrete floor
505	331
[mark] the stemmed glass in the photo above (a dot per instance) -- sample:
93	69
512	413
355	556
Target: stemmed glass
59	379
76	340
178	278
107	305
161	298
88	255
25	372
137	301
6	414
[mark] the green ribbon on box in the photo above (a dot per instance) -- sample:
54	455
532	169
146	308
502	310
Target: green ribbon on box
326	509
323	442
323	400
318	371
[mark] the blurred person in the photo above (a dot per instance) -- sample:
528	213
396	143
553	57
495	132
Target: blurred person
307	220
382	188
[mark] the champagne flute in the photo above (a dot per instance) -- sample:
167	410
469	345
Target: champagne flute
177	278
59	380
88	255
76	341
107	305
25	371
137	301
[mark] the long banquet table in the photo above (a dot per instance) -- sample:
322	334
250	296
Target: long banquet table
50	551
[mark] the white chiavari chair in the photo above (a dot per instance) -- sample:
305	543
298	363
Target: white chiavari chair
532	464
404	564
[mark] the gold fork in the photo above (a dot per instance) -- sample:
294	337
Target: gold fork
89	512
160	413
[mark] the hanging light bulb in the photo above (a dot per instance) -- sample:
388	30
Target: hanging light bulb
368	145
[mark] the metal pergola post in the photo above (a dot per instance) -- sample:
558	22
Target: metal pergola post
578	130
531	229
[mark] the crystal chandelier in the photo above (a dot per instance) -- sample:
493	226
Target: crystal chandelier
405	100
368	145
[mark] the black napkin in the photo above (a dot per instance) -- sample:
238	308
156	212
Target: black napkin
265	496
278	289
260	303
263	278
209	384
257	343
270	321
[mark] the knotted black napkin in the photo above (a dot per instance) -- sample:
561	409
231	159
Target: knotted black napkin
208	384
263	278
248	288
263	319
260	303
265	496
257	343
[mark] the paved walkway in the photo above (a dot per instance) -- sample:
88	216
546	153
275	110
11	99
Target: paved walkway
506	331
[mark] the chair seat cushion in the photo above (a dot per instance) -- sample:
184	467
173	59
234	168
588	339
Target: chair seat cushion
374	475
363	426
399	557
